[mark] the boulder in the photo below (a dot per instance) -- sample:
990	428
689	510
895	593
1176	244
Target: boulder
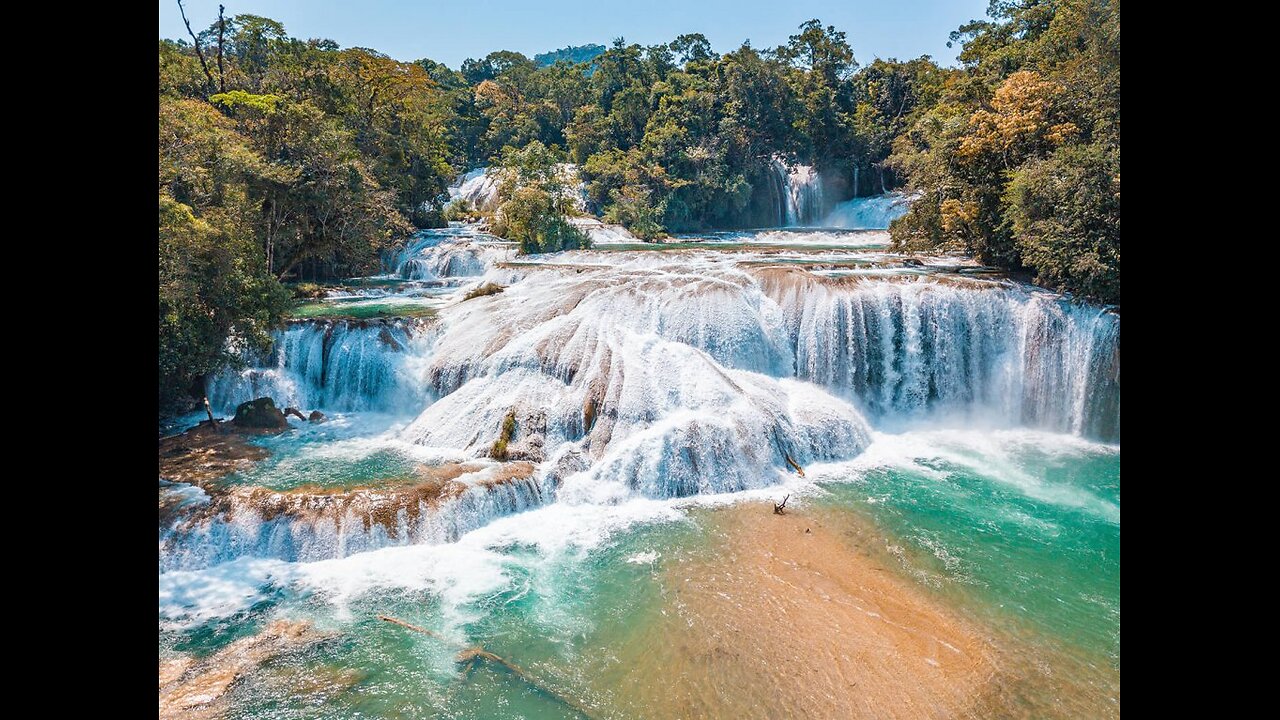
316	416
260	413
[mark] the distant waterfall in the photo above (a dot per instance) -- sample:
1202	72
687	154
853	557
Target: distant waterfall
869	213
803	193
805	200
479	188
449	253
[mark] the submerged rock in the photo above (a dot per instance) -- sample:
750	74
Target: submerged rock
191	687
260	413
206	453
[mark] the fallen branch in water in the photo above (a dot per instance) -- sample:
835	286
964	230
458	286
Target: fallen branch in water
295	412
777	509
483	291
471	656
415	628
799	470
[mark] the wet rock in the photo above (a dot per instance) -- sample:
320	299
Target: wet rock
207	452
260	413
316	416
528	448
385	336
483	291
194	688
567	464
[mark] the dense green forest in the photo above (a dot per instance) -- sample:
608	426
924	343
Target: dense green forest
1019	159
282	159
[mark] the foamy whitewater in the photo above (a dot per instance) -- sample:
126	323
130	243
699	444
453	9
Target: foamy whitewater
657	374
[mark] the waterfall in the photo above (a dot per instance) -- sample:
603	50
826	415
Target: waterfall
898	348
611	376
330	364
924	349
576	189
452	252
803	194
478	187
869	213
306	526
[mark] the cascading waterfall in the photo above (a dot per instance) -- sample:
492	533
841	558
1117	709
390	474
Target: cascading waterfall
479	188
652	374
452	252
908	350
317	526
804	201
331	364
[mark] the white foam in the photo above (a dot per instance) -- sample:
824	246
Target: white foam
648	557
992	454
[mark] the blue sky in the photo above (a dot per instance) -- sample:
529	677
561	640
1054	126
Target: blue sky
450	32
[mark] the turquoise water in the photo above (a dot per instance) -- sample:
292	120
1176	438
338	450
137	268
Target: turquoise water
1018	530
348	450
1025	533
556	612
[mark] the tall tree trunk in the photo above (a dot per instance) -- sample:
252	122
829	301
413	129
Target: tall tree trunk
222	28
196	43
271	235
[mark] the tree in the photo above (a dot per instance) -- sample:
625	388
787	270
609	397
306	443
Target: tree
537	202
992	158
1065	213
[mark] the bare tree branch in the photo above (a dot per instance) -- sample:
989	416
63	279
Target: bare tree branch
196	42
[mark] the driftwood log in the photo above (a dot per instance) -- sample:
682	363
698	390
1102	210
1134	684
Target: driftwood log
415	628
794	465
